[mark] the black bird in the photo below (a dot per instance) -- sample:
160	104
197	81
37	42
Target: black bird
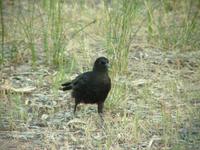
91	87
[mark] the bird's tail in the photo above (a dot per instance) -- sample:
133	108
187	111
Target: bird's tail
66	86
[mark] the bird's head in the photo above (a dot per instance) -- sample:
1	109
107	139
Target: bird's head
101	64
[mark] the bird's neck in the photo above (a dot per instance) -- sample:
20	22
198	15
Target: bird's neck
99	71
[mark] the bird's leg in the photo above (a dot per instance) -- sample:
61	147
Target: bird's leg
100	110
76	103
100	107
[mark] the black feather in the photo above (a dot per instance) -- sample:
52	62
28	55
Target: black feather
91	87
66	86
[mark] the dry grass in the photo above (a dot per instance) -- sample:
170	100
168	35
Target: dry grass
154	52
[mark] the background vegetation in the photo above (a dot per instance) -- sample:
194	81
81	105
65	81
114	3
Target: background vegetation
153	47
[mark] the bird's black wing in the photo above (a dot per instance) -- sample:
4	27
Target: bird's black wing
81	81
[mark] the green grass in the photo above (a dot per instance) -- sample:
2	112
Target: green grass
13	113
2	33
65	38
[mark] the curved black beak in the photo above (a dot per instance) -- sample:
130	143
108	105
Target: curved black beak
107	65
